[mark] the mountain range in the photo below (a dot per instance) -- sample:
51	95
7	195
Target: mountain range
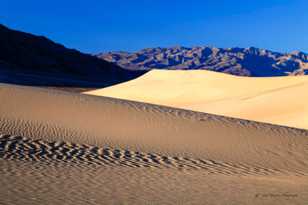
29	59
250	61
35	60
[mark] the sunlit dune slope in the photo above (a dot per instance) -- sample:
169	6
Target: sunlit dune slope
61	116
278	100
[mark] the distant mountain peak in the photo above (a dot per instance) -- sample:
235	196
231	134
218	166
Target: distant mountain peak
251	61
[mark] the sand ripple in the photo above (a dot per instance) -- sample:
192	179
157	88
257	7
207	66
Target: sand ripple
21	148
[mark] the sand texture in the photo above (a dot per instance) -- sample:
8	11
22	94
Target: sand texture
66	148
277	100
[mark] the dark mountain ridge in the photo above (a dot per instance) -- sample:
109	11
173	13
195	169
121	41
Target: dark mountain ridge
35	60
237	61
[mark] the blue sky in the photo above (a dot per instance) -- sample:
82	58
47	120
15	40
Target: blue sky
99	25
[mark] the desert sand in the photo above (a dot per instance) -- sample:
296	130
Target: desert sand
277	100
66	148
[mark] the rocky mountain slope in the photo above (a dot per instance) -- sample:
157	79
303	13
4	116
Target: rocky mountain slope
238	61
35	60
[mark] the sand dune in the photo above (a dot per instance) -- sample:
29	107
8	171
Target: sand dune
58	147
277	100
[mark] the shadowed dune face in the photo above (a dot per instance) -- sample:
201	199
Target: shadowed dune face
107	149
277	100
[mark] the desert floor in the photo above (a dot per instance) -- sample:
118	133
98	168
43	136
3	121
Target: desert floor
66	148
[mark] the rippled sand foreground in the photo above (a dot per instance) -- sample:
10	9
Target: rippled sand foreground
64	148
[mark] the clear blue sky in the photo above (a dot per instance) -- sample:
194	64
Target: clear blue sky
99	25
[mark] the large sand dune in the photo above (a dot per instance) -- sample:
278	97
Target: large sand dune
63	148
277	100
